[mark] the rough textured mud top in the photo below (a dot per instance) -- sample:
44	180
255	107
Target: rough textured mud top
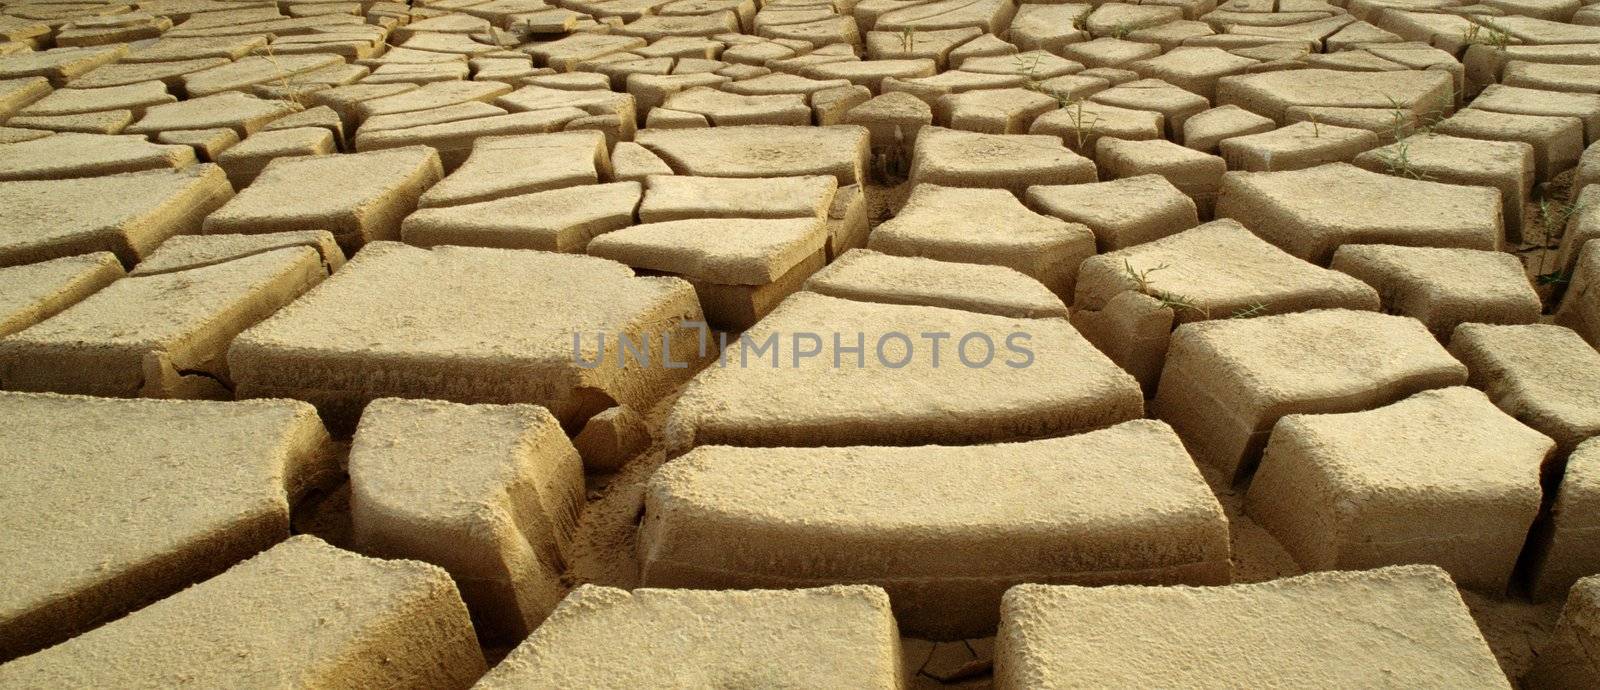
126	214
301	614
678	197
601	637
762	151
735	251
194	251
868	276
1404	625
34	292
779	398
106	498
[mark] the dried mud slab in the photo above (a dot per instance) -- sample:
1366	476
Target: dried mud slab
1339	629
469	325
309	614
1565	544
183	252
1226	382
69	155
987	226
601	637
162	335
868	276
1123	212
377	190
1505	165
763	151
112	504
558	220
1568	659
491	493
938	527
31	293
1580	308
506	166
770	397
952	158
1444	288
1310	213
682	197
1416	92
1546	376
1442	477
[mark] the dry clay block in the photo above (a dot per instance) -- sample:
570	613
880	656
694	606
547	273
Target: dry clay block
1379	628
1544	375
184	252
1215	271
1122	213
986	226
490	493
764	393
602	637
867	276
127	215
1568	660
1226	382
34	292
375	191
69	155
301	614
1580	308
1442	477
1012	162
1311	212
556	220
161	336
111	504
1443	287
1419	94
1565	544
944	529
763	151
469	325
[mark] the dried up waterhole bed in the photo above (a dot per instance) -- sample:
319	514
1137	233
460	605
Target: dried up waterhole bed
1277	316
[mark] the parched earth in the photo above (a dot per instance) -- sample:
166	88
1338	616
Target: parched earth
799	344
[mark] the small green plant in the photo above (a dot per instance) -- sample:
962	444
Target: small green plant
1082	124
908	38
1396	160
1316	128
1172	300
1553	218
1486	34
1253	310
1121	30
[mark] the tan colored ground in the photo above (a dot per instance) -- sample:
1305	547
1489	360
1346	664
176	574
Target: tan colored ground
1350	238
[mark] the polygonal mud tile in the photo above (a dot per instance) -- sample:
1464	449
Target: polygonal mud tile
683	197
1008	378
868	276
1196	174
1357	628
899	519
244	161
1123	212
1510	99
1176	105
602	637
378	189
1310	213
1580	307
31	293
242	113
1226	382
1215	271
763	151
132	97
557	220
183	252
1082	124
126	214
1204	131
1557	141
501	324
993	111
986	226
1194	69
69	155
1505	165
454	141
1583	221
1565	543
723	109
1416	92
1444	287
505	166
1012	162
394	623
112	504
491	493
161	335
1300	145
1109	52
1050	28
1442	477
1546	376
